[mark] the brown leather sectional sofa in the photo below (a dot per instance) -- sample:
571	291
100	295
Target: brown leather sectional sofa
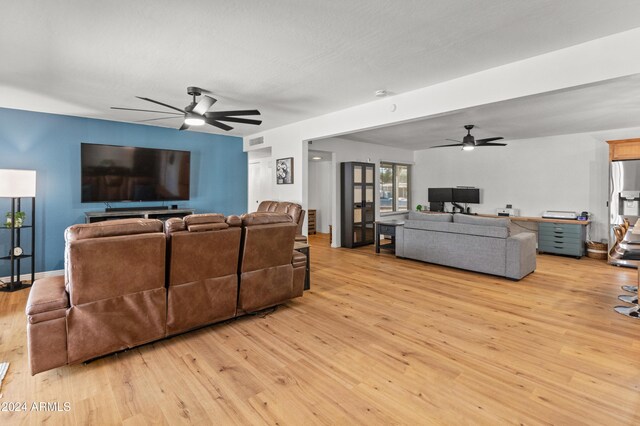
132	281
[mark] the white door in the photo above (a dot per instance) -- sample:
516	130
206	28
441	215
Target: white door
260	187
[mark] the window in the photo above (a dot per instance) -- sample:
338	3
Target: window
394	187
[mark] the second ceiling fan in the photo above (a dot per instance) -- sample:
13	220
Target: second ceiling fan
197	112
469	142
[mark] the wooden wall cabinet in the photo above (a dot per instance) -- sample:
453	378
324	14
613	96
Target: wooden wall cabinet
624	149
358	204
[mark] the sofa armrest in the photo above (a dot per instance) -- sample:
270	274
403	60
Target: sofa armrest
47	295
399	241
521	255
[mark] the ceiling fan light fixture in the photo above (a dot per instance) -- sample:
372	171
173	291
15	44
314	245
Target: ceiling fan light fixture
468	147
193	119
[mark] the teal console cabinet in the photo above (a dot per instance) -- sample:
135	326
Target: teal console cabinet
561	238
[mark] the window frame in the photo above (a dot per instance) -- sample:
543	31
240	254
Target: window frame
394	165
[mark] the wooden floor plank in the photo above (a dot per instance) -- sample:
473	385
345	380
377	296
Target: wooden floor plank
377	340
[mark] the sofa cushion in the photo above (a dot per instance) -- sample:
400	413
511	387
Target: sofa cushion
263	218
174	224
482	221
202	227
458	228
234	220
112	228
430	216
196	219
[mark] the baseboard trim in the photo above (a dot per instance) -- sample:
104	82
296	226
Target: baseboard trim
38	275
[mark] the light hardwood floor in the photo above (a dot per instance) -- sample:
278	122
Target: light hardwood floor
378	340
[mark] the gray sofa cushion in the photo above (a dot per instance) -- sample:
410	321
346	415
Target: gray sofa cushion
431	217
482	221
458	228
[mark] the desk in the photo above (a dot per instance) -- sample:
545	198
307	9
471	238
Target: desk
304	249
387	227
558	236
540	219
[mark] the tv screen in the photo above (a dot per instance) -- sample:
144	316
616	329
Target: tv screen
441	195
124	173
466	195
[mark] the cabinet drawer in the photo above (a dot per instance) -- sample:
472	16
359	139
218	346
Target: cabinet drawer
548	245
547	228
569	250
560	239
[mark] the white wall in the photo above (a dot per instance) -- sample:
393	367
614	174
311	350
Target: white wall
586	63
320	193
569	172
345	150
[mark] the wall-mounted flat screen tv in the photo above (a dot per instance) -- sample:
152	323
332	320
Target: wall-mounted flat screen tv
440	195
466	195
113	173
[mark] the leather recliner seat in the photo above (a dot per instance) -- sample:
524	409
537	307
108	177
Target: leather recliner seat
202	271
271	272
285	207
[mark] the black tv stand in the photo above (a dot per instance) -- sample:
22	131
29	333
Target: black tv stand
135	209
146	213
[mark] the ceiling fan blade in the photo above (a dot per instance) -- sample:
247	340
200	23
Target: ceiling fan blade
160	118
217	124
145	110
160	103
453	140
485	140
492	144
240	120
220	114
184	126
203	105
443	146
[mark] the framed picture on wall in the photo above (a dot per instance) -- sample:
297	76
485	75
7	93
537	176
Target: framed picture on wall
284	171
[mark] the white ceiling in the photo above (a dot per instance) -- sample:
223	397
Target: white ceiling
290	59
613	104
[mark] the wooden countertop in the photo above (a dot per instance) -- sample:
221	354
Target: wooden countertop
540	219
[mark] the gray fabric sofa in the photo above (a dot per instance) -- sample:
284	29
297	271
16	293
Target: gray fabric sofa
479	244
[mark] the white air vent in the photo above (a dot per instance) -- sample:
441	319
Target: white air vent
256	141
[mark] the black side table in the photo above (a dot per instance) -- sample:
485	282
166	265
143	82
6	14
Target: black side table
387	227
304	249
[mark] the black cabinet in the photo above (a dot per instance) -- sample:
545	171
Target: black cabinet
358	204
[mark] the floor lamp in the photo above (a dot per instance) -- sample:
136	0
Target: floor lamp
18	184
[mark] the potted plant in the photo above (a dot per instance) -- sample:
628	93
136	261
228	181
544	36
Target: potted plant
20	217
419	207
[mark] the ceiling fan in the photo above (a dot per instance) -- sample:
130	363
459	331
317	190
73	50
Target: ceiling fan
197	112
469	142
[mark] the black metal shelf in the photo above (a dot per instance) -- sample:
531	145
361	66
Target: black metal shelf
15	282
15	257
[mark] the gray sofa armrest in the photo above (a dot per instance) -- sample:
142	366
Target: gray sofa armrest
399	241
521	255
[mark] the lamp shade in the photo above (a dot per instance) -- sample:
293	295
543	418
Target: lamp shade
17	183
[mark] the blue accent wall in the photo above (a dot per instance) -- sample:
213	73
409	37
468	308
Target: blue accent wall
50	144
